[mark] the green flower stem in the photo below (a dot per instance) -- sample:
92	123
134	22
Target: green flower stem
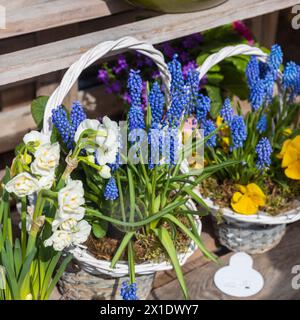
23	229
121	196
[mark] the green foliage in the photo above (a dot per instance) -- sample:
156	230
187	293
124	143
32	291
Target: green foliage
38	109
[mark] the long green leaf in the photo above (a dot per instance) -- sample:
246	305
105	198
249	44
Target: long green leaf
131	262
131	195
167	242
57	276
121	248
10	275
26	266
17	257
192	235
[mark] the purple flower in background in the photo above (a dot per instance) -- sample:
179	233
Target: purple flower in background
126	97
184	56
192	41
122	64
103	76
167	49
192	65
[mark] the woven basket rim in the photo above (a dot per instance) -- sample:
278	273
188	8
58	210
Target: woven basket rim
286	217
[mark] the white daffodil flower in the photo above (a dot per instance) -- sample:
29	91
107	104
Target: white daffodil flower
104	155
70	200
60	240
107	132
81	232
105	172
64	224
37	137
46	182
112	132
46	159
22	185
76	234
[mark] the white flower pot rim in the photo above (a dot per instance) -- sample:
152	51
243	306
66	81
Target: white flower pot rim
261	217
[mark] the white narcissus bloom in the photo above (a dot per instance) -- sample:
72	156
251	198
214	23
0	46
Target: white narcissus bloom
106	139
38	137
105	172
74	235
46	182
64	224
106	155
82	231
70	201
46	159
60	240
22	185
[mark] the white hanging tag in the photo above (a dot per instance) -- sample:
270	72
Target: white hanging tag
239	279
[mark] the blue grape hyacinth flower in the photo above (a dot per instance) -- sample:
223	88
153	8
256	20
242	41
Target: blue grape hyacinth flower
111	190
261	126
227	112
129	291
238	132
263	151
209	127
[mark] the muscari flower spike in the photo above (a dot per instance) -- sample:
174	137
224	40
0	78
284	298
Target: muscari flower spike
191	89
135	115
129	291
261	126
203	107
111	190
61	122
257	95
252	71
208	126
238	132
275	58
157	102
263	151
290	75
227	112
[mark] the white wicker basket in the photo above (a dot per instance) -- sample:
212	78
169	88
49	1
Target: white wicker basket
83	257
261	217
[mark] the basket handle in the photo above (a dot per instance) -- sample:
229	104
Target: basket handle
227	52
93	55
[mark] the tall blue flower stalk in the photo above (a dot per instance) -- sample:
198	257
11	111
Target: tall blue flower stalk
209	127
111	190
136	118
157	102
263	151
226	111
67	128
238	132
202	108
262	123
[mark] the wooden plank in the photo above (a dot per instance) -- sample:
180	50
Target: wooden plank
275	266
59	55
35	15
14	124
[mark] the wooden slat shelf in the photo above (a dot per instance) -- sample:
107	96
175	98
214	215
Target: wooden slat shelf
29	63
36	15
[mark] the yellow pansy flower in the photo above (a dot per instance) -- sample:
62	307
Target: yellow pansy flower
248	199
290	155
